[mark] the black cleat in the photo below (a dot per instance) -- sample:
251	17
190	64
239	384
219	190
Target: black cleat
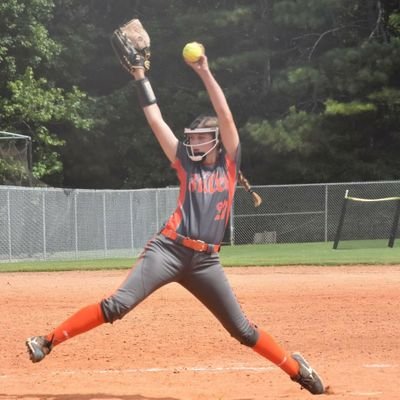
308	377
38	348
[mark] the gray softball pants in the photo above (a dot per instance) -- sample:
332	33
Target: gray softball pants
164	261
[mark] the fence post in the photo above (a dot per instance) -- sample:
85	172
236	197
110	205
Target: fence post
131	220
157	216
9	225
76	223
232	225
44	224
393	231
340	225
105	224
326	213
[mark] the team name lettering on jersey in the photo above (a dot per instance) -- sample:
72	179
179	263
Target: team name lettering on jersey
208	183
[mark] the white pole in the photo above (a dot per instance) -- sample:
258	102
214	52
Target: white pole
15	135
326	213
131	220
76	222
105	224
157	216
9	225
44	224
231	224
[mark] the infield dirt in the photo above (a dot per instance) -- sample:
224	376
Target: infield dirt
344	320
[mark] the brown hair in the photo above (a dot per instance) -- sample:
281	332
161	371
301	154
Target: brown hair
257	200
204	121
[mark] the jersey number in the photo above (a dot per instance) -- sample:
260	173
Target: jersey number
222	207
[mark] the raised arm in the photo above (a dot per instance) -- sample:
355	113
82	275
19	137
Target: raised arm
168	141
131	44
227	126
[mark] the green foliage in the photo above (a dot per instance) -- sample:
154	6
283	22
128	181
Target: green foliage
24	39
12	173
307	15
387	98
334	107
32	103
394	22
313	85
294	133
341	76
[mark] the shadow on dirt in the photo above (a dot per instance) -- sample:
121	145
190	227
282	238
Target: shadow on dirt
96	396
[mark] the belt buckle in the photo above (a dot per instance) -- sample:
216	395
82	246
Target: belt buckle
203	245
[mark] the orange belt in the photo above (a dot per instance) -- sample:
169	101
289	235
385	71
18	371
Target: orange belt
197	245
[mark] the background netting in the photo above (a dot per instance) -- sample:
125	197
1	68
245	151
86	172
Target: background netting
366	218
14	159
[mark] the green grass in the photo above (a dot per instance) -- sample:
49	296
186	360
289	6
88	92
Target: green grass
72	265
350	252
354	252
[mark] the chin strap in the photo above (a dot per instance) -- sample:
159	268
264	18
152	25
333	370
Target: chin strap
202	156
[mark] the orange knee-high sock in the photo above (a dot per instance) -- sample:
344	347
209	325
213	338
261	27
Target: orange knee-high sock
268	348
85	319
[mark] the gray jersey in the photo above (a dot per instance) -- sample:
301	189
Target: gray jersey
205	197
199	215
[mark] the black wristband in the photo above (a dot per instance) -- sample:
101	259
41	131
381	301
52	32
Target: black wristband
145	92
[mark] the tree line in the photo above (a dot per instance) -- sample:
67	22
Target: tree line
313	85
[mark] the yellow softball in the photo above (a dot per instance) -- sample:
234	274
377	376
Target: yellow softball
193	51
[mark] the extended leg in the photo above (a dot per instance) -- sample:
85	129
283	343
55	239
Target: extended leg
210	285
156	267
85	319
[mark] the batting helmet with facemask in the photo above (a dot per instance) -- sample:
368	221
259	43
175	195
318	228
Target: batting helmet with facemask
202	124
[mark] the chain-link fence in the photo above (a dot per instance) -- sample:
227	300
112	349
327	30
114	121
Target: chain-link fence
47	223
310	213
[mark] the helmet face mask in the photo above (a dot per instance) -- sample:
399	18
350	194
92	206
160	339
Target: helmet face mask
193	149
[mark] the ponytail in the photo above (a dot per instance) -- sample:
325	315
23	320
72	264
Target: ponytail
247	187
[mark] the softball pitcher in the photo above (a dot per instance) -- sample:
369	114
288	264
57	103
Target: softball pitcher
186	248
